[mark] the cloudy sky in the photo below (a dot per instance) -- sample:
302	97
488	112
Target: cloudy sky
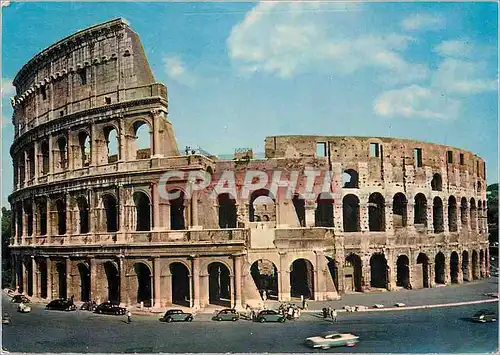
239	72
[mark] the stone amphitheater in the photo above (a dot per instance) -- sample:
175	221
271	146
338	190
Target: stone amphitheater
89	220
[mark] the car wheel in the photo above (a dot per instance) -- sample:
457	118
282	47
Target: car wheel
234	319
99	311
169	320
325	347
350	343
218	319
189	319
494	320
262	320
282	320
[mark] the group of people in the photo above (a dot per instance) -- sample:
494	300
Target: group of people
329	312
289	311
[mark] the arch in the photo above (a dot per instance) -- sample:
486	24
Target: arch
62	150
454	265
350	179
437	215
399	210
378	271
85	148
479	216
113	278
83	211
112	143
465	265
473	214
350	210
300	209
177	219
481	263
403	271
61	216
423	260
437	182
143	138
463	211
219	284
265	276
29	277
143	211
144	280
302	279
475	266
61	277
181	293
376	212
42	217
353	271
45	151
420	210
84	271
452	214
479	187
227	211
324	210
42	269
28	211
261	200
111	212
439	268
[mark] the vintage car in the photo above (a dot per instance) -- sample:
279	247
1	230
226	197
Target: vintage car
110	308
268	315
20	299
176	315
227	314
331	339
61	305
484	316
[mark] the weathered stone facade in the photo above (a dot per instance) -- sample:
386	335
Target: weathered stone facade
91	224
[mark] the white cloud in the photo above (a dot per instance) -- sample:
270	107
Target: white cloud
417	22
176	70
8	90
416	102
465	49
290	38
5	3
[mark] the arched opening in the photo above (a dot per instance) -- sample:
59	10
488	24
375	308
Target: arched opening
84	271
481	263
28	210
61	217
437	215
334	274
324	210
62	159
423	260
436	183
353	272
30	154
111	212
262	203
300	209
42	210
463	211
19	222
143	211
378	271
479	215
403	271
265	276
479	187
399	210
61	276
302	279
144	292
177	220
454	267
227	211
180	284
83	211
350	209
473	214
475	266
113	277
29	277
142	140
452	214
376	212
112	144
219	285
420	210
439	269
84	142
350	179
42	268
45	151
20	277
465	265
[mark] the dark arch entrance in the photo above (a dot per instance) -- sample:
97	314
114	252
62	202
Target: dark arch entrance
302	279
437	215
454	267
219	284
299	205
143	211
268	197
227	211
144	292
439	269
465	265
475	269
177	220
265	276
399	210
353	271
481	263
113	276
376	212
452	214
180	284
420	210
350	211
83	211
423	260
378	271
61	217
42	268
324	210
84	271
29	277
403	271
334	272
61	277
111	211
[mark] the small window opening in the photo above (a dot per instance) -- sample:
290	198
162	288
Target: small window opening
461	158
321	149
374	150
418	157
61	113
43	90
484	170
83	76
108	100
477	168
450	157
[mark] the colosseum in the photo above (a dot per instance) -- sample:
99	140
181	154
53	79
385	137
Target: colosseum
90	220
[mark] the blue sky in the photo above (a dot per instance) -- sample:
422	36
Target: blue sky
238	72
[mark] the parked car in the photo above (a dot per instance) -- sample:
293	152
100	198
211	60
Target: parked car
330	339
20	299
176	315
227	314
61	305
110	308
484	316
6	319
269	315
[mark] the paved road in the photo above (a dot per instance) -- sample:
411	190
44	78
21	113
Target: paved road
444	330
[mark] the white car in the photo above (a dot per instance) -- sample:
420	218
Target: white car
330	339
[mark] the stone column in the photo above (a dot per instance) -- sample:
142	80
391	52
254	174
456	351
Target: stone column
124	296
363	215
93	146
49	278
365	273
447	269
237	282
67	264
319	276
310	208
122	142
93	278
194	210
156	206
196	281
157	282
155	147
24	273
284	278
34	278
36	162
69	216
432	273
388	216
430	221
460	277
339	216
49	218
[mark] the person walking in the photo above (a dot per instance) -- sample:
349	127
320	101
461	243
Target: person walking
264	296
334	315
129	317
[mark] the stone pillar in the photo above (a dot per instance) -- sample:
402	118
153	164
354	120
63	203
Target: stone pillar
25	275
432	274
156	206
124	296
155	147
319	276
339	216
237	282
157	282
284	278
49	217
93	278
389	228
363	216
34	278
36	162
365	273
50	294
122	142
34	223
430	221
460	277
196	281
67	264
69	216
194	210
93	146
447	269
310	214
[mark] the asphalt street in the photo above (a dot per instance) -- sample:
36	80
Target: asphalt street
441	330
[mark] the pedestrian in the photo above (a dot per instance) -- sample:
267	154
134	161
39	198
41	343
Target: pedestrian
72	299
129	317
264	296
303	302
334	315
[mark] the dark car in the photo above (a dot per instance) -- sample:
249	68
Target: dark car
176	315
227	314
484	316
269	315
110	308
20	299
61	305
